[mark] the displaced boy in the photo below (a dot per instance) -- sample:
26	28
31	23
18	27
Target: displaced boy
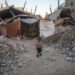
39	46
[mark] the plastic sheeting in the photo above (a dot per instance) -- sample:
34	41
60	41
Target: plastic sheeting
29	21
47	28
30	27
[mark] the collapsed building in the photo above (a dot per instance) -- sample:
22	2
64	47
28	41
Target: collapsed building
65	18
64	37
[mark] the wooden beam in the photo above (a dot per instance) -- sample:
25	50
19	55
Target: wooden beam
12	13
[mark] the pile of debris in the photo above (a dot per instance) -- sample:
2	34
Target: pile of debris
64	37
10	51
67	43
64	41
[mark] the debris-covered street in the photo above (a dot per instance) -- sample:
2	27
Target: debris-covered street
20	59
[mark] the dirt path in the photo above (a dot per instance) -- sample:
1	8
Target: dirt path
51	63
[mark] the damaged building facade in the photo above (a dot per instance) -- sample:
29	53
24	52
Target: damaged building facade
71	5
67	4
66	16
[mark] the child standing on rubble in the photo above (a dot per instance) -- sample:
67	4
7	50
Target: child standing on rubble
39	46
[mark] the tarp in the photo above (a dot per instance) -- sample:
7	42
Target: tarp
30	27
29	21
13	28
47	28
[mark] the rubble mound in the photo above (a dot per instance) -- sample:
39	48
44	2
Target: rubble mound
64	41
67	43
9	55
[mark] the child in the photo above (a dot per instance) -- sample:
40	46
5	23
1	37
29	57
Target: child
39	46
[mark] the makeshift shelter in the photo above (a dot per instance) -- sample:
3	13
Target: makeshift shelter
19	22
23	25
30	27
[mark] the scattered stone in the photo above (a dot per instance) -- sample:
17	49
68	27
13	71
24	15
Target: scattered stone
9	55
20	64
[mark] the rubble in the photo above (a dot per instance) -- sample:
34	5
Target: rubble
9	55
64	37
66	42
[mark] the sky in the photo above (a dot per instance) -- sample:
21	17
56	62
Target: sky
43	6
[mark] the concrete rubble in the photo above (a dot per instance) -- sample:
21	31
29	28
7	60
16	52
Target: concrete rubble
64	41
64	37
9	55
67	43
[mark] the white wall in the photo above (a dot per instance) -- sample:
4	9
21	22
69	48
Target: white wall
47	28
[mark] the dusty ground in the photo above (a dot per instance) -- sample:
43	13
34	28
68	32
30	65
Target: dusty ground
51	63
